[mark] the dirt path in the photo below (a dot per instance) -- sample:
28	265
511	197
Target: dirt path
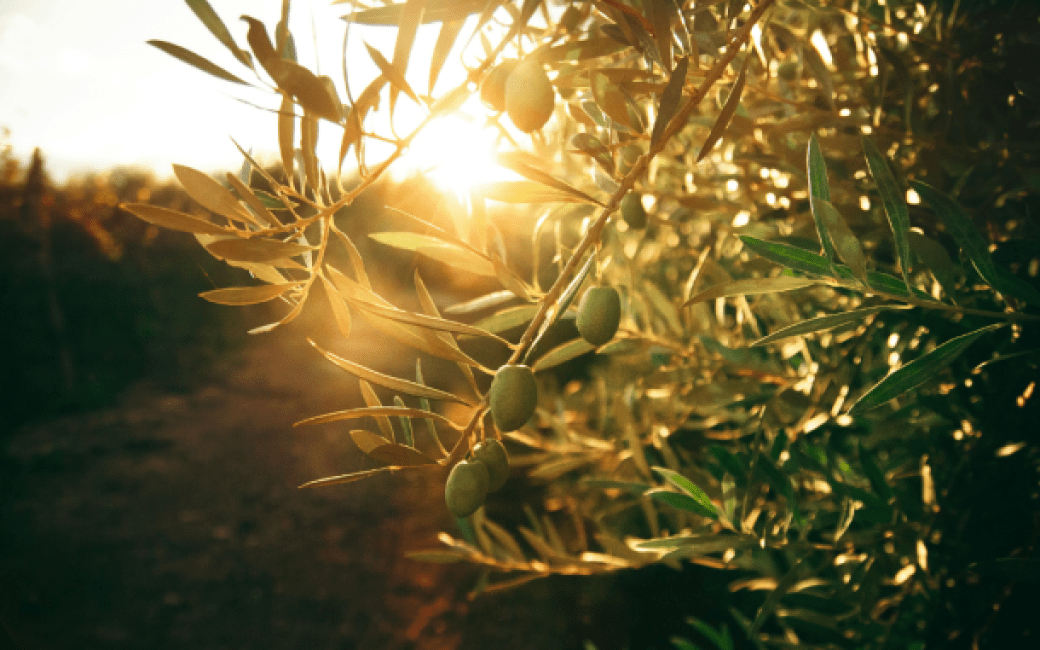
174	521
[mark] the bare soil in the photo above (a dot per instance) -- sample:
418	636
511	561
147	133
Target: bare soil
173	520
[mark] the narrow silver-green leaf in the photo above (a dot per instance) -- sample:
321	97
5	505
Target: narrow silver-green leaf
823	323
919	370
894	202
562	354
751	287
670	99
728	109
688	487
386	381
819	189
682	501
247	295
392	73
968	237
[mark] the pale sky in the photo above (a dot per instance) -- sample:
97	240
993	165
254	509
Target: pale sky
78	80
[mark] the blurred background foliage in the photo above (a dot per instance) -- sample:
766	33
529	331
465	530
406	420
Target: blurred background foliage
92	298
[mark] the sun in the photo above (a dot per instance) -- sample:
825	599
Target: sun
456	152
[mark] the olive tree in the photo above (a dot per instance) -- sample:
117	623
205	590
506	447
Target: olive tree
756	224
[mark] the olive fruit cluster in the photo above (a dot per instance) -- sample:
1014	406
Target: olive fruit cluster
470	480
599	314
523	91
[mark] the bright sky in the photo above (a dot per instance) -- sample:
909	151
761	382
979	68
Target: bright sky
78	80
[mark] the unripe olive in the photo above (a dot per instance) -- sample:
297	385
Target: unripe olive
493	454
513	397
493	88
633	212
788	71
599	314
467	487
530	97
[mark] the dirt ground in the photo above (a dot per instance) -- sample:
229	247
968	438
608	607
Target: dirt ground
173	520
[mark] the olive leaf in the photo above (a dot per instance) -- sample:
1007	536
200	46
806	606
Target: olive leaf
255	250
392	73
386	381
436	11
377	411
819	189
894	202
216	26
196	61
407	28
750	287
166	218
455	256
824	323
247	295
687	487
562	354
726	114
446	37
346	478
959	224
918	371
516	161
670	98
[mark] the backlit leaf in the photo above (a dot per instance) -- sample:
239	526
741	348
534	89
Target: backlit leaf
819	189
372	400
287	135
919	370
848	247
529	192
752	286
726	114
968	237
682	502
824	323
457	257
195	61
894	202
261	213
399	456
346	478
589	145
446	38
392	73
562	354
211	194
377	411
515	161
689	488
256	249
386	381
407	27
172	219
216	27
670	98
247	295
507	319
366	441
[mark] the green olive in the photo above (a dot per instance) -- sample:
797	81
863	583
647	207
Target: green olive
513	397
493	454
599	314
467	487
493	89
530	97
633	212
